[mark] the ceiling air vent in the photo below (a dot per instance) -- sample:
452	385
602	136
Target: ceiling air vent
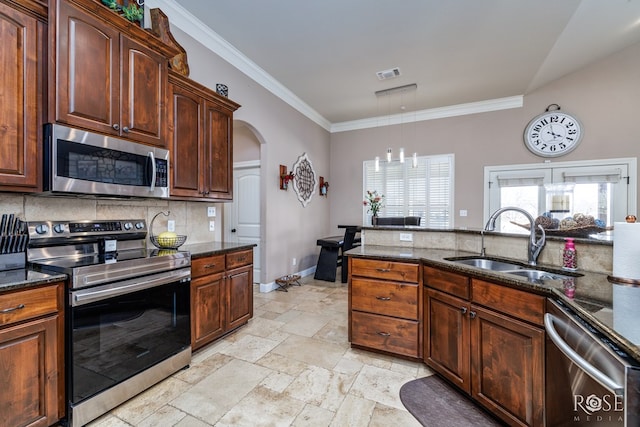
388	74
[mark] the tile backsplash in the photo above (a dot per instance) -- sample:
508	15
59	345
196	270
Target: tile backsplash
190	217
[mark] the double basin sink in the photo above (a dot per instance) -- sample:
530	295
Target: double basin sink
528	272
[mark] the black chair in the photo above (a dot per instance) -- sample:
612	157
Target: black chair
391	220
332	254
412	220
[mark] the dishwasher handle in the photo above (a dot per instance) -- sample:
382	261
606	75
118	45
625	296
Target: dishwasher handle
587	367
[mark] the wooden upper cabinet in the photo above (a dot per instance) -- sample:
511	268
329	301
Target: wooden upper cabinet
22	58
110	76
201	141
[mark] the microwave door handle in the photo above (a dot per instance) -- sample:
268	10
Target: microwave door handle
153	171
587	367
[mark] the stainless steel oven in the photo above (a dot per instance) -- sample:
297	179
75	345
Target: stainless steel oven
589	380
78	161
127	310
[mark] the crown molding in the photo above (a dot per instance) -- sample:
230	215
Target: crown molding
431	114
192	26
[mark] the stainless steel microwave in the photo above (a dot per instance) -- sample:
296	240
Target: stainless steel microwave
81	162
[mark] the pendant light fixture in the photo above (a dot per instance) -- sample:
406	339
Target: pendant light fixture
401	154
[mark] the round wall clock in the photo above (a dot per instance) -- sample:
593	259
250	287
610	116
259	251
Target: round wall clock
553	133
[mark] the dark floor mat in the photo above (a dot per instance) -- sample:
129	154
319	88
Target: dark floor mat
435	403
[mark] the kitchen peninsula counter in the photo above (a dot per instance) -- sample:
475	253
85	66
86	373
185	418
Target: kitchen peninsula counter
592	297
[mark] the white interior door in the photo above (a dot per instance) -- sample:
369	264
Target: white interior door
242	216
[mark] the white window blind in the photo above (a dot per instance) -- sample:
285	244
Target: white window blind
425	191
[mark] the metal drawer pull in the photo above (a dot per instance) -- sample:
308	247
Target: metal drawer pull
9	310
463	310
209	266
384	298
383	270
244	258
384	334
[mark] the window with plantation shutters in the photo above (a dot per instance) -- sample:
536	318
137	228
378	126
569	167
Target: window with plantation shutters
425	190
604	189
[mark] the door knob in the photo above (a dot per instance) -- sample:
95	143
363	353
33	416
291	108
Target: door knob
233	230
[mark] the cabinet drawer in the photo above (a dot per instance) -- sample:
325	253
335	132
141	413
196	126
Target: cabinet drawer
389	270
451	283
207	265
238	259
27	304
519	304
388	298
385	333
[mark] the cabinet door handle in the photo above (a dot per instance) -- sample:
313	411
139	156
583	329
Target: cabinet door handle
116	126
463	310
9	310
384	298
472	314
125	129
383	270
384	334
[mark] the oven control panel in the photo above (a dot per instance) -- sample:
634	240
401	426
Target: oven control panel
40	230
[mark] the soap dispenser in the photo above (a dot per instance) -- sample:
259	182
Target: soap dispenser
569	256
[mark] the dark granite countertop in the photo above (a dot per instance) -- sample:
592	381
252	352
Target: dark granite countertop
11	280
199	250
590	294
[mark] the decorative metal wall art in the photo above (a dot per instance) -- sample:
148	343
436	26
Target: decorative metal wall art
305	180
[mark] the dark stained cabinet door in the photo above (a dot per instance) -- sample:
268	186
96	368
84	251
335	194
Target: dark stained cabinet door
201	138
207	310
20	83
186	134
88	71
144	83
219	152
240	296
105	81
508	368
447	337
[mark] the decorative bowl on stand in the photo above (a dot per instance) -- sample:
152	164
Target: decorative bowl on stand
165	242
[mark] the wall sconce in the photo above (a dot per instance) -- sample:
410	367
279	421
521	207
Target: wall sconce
285	177
324	187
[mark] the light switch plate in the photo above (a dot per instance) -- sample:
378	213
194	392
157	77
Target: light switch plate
171	225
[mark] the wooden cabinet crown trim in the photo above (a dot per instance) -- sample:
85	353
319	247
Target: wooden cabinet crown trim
203	91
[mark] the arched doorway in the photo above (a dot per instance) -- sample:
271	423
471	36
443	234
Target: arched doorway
243	218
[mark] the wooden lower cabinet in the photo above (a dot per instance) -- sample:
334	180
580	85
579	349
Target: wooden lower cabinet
385	306
221	295
30	357
495	357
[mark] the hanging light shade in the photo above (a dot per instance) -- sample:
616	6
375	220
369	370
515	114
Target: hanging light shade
402	155
377	164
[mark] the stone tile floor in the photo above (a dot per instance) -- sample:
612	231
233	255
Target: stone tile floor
290	366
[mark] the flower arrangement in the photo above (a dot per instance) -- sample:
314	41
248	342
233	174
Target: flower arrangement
374	201
133	11
285	178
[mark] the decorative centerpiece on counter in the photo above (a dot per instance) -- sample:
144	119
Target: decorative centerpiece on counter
578	225
375	202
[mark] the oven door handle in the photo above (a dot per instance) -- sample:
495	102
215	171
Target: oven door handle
587	367
99	293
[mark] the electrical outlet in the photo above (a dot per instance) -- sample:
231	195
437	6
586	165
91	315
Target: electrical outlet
294	261
212	226
463	212
211	211
406	237
171	225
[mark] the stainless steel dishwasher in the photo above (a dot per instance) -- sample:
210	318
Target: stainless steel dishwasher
589	380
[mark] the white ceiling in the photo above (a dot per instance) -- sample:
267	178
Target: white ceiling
327	52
